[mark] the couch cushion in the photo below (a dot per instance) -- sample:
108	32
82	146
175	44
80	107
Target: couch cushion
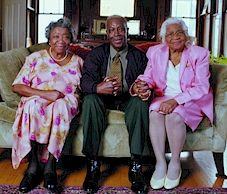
114	117
7	116
10	65
7	112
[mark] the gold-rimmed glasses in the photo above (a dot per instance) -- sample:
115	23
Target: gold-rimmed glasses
178	33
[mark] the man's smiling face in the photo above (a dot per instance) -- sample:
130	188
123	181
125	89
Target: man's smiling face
117	33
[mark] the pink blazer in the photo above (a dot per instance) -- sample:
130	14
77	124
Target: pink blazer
194	75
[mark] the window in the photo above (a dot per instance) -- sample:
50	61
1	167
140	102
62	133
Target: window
206	28
186	10
49	10
216	31
216	35
225	37
124	8
134	27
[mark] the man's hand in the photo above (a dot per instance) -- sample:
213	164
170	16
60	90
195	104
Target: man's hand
109	86
168	106
141	89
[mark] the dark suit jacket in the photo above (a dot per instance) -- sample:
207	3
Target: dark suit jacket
95	67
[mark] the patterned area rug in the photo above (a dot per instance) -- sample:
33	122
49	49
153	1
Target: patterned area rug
13	189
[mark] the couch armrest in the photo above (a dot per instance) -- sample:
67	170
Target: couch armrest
218	82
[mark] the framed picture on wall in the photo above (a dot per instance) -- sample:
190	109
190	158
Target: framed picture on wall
99	27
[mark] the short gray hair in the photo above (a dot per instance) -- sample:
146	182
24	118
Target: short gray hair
64	23
173	20
118	16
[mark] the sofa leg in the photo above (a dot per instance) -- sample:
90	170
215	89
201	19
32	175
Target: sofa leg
219	162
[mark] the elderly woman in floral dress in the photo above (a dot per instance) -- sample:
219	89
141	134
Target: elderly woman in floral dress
48	83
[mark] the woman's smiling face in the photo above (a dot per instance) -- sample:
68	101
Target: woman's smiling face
175	37
59	39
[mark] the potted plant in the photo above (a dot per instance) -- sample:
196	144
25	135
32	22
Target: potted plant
220	60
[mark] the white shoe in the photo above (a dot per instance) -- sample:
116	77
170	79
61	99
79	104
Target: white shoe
170	184
157	184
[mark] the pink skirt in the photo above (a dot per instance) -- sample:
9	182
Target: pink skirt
190	112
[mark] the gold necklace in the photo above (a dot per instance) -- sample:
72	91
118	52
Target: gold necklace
58	60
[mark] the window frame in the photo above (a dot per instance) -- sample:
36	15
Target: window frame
39	33
187	17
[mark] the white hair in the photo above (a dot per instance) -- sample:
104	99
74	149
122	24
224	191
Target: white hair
173	20
118	16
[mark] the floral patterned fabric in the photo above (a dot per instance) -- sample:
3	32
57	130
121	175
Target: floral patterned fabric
38	119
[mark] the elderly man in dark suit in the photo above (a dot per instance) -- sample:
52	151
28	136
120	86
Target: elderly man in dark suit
104	90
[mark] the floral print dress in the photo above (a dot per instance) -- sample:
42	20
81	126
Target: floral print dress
38	119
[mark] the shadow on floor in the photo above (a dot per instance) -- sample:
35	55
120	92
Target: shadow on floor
70	164
5	154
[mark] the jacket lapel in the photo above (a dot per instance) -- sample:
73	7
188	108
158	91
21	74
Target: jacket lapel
163	64
184	61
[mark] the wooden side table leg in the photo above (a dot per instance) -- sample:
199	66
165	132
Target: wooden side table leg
219	162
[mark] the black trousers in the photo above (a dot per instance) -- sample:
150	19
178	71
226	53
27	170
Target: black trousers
94	121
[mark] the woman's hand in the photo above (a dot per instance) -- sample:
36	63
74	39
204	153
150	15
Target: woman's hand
53	95
168	106
27	91
142	89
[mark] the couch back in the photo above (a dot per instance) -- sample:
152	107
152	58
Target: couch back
10	64
12	61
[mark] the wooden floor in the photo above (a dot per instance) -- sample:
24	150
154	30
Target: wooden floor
198	170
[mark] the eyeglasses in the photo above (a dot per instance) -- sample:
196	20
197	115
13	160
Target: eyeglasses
178	33
119	30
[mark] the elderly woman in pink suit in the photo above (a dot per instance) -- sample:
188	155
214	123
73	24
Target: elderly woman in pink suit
177	74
